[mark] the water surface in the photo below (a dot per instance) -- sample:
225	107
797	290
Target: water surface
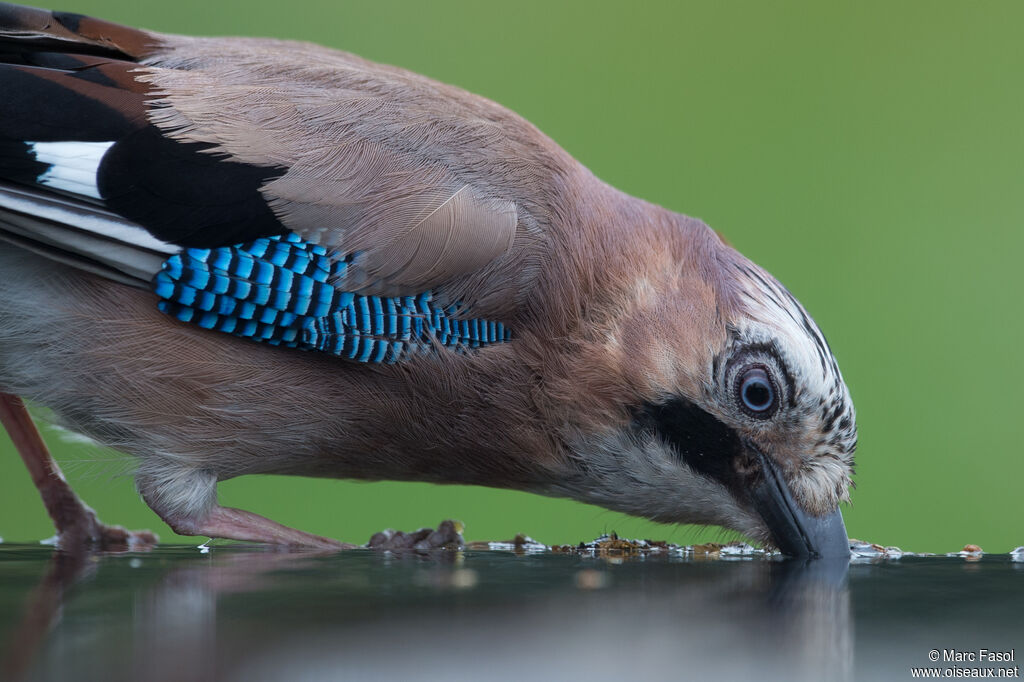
235	613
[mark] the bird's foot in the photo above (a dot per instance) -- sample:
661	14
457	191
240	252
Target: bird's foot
87	531
447	536
76	524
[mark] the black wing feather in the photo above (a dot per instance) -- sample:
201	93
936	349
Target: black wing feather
184	193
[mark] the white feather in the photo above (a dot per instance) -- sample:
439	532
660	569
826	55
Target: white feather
73	165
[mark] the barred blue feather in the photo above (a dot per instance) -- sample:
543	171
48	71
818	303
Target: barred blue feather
278	290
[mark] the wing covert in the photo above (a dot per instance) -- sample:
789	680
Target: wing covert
216	143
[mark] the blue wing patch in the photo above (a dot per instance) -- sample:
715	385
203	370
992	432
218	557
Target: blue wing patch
278	290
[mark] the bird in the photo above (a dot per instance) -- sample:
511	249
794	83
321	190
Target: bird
239	256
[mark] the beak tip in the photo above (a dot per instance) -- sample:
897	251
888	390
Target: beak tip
796	532
826	535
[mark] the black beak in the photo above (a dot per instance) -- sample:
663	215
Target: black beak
795	532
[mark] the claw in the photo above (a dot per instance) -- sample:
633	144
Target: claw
447	536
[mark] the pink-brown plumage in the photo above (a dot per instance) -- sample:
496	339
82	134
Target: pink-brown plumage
623	314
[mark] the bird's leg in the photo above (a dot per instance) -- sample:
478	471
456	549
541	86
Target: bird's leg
238	524
185	497
76	523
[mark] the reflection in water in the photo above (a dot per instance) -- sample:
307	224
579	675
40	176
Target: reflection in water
811	601
238	614
41	610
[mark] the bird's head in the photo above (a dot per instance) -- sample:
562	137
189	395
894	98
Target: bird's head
737	415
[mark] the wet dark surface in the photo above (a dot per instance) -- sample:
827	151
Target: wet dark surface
236	613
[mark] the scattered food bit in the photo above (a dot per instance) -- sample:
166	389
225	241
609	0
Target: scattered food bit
865	547
861	551
520	544
709	550
614	549
591	579
739	549
613	545
969	552
609	546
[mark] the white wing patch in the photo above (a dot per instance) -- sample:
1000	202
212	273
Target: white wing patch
73	165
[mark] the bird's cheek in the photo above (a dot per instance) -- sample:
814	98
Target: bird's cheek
787	446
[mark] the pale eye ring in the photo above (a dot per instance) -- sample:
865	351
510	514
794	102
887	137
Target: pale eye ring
756	393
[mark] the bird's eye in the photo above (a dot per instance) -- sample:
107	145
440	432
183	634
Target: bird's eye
756	392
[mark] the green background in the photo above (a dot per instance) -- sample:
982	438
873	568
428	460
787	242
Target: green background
870	155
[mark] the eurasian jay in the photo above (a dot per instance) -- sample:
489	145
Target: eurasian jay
244	256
